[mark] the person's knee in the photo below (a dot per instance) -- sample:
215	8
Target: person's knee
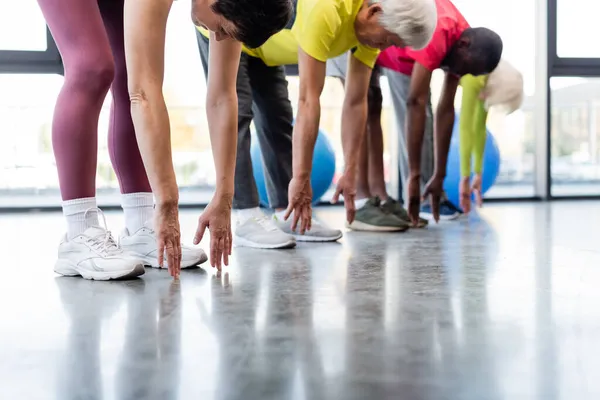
92	74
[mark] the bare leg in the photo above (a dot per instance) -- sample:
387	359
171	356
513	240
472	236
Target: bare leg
374	143
362	179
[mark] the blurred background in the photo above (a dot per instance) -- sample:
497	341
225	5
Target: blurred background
27	168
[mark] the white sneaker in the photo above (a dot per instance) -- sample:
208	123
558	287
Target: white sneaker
317	232
261	233
95	255
142	244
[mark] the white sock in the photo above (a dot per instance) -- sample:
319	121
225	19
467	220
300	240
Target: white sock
360	203
77	219
245	214
138	209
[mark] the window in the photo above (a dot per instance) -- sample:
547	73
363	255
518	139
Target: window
22	26
575	136
575	21
514	134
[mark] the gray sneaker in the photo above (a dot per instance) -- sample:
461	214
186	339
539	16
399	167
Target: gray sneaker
372	218
393	206
317	232
262	233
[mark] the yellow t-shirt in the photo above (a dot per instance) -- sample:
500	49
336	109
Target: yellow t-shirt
323	29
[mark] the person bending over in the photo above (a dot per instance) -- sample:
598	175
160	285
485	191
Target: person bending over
502	88
107	44
376	210
319	30
457	49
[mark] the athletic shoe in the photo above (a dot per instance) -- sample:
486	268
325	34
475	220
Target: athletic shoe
317	232
372	218
142	244
448	211
393	206
94	254
260	232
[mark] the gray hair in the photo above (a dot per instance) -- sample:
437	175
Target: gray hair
414	21
504	88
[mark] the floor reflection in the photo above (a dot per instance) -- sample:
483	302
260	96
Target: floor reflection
500	306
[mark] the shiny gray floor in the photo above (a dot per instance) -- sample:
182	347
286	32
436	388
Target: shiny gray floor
501	306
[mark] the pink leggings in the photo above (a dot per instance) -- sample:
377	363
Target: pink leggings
89	36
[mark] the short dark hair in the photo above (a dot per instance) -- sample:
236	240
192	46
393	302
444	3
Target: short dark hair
485	48
255	20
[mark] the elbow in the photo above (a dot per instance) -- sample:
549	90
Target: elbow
141	94
416	102
308	101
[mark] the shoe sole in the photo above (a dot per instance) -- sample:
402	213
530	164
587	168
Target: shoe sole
442	217
361	226
322	239
66	268
152	262
239	241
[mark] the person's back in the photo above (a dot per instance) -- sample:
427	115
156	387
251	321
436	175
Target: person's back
450	26
314	22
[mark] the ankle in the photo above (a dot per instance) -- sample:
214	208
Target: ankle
245	214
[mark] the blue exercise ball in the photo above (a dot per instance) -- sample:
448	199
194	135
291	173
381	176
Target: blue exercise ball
323	168
491	164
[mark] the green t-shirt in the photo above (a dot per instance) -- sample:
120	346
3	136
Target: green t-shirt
472	129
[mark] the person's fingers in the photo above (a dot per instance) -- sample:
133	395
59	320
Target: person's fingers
202	225
221	253
297	215
309	221
226	250
413	210
435	206
288	211
350	211
336	195
478	197
214	245
171	257
180	256
230	241
305	218
160	247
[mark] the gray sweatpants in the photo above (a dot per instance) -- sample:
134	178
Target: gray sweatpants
263	96
399	88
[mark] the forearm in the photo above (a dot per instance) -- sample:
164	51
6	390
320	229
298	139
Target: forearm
443	134
354	121
415	130
466	146
145	51
152	128
305	134
479	139
222	114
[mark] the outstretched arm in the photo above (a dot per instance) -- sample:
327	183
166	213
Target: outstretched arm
479	136
222	110
444	122
222	115
354	122
468	106
306	128
145	57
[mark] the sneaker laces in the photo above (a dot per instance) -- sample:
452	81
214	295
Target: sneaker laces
104	243
266	223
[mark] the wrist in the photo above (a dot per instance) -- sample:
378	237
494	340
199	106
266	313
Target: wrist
438	174
167	203
302	175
